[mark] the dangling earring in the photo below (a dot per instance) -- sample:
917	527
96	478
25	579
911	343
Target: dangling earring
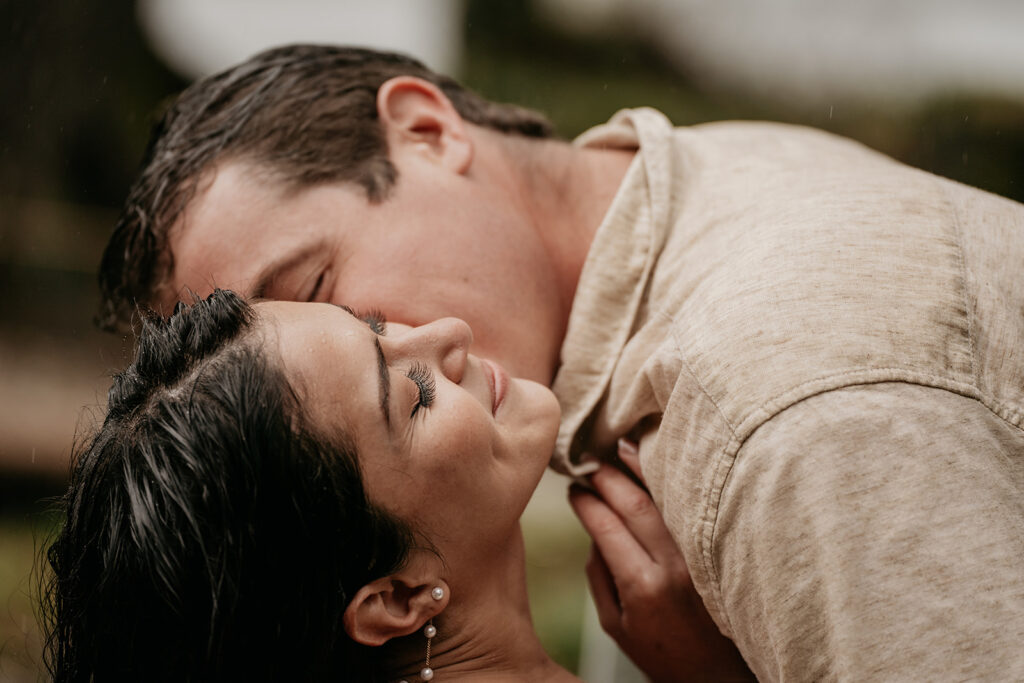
426	673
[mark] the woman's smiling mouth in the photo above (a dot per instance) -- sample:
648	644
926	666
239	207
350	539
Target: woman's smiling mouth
497	378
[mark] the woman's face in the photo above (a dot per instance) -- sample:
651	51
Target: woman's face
447	441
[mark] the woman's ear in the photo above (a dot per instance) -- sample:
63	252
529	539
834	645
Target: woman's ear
393	606
418	118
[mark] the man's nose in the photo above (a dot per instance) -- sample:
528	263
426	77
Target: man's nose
446	342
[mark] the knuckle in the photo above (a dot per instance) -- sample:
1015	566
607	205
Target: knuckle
637	505
647	585
603	526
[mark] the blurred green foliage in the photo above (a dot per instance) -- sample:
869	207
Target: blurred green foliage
23	534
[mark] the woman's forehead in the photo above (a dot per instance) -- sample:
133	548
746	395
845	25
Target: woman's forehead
312	333
330	359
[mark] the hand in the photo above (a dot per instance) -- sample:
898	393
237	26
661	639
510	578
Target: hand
641	585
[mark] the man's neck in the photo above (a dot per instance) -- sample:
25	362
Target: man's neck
559	195
572	189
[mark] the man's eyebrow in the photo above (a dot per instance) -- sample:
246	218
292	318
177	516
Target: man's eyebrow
384	379
277	268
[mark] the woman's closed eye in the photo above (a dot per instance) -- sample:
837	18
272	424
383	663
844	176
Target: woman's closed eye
375	319
423	378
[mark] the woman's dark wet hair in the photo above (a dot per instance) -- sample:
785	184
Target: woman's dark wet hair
209	534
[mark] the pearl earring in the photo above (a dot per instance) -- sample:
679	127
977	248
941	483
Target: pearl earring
426	673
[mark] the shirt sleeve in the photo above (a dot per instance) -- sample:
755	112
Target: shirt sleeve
877	533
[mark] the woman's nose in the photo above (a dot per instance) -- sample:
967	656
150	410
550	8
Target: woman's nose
446	341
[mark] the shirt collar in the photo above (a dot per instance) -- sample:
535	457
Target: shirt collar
615	274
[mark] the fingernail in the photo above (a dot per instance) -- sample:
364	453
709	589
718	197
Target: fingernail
627	447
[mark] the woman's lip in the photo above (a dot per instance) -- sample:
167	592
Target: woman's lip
498	379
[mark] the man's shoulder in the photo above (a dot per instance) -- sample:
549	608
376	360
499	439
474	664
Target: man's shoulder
781	141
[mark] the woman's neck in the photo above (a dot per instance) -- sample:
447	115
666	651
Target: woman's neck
486	633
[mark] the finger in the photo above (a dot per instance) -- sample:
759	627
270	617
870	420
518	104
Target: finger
629	454
602	588
624	556
637	512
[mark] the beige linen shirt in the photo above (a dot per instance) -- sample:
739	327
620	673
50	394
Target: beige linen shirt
822	353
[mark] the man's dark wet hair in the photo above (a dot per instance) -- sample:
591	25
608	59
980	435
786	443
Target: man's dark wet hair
210	535
306	113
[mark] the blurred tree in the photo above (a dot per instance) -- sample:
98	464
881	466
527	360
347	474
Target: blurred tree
79	86
977	141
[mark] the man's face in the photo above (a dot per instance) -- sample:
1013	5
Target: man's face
442	244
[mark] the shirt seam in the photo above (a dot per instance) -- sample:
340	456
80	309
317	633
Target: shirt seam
958	227
706	535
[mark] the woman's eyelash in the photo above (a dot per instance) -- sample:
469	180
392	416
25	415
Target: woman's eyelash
375	319
424	379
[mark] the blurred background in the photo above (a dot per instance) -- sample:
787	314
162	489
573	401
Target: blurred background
935	83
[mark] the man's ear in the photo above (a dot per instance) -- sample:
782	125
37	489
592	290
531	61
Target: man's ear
419	118
391	607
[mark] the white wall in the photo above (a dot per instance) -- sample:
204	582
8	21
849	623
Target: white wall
199	37
893	50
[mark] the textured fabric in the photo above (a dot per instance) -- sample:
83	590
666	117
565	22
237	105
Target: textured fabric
821	352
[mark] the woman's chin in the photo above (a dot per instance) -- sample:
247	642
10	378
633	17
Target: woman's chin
544	417
542	405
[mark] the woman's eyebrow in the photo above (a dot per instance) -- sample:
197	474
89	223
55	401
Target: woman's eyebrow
384	380
383	373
